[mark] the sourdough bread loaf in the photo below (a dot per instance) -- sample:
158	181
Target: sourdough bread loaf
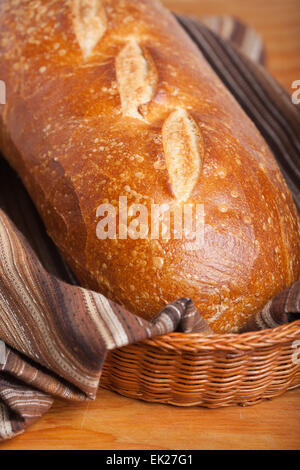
109	100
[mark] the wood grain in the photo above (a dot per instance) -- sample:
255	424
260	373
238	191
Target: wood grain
116	422
277	22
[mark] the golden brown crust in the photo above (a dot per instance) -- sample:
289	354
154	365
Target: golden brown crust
77	140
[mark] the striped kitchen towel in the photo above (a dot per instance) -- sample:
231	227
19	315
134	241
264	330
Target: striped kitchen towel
54	335
59	334
283	308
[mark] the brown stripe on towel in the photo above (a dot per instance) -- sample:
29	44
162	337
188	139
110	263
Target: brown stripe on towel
245	39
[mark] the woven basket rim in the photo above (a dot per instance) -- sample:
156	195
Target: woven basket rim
196	342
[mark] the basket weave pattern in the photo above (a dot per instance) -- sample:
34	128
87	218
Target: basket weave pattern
211	371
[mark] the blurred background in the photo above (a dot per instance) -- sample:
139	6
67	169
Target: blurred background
277	22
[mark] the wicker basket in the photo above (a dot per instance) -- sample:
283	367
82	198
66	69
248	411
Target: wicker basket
223	370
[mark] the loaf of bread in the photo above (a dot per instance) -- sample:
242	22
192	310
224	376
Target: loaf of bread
109	101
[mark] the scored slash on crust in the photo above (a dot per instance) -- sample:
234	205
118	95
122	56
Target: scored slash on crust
184	151
136	79
182	140
90	23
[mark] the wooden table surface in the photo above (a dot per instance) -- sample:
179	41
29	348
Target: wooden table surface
116	422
